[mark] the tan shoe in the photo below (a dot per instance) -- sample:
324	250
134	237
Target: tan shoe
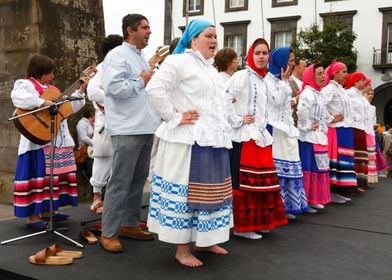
111	244
135	233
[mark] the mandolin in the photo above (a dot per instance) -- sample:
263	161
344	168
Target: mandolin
36	126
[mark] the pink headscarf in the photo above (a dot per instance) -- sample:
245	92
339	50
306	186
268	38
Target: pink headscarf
331	70
308	79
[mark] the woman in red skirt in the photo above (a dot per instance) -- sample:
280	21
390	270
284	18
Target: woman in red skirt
257	204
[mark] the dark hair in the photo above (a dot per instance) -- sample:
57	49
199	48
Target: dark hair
260	41
132	21
316	65
39	65
173	44
110	42
88	111
223	58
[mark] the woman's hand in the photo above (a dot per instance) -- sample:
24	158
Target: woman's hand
285	75
189	117
248	119
337	118
314	126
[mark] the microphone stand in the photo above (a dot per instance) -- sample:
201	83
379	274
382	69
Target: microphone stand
53	110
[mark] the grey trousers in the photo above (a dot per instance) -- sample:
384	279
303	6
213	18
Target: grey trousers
123	196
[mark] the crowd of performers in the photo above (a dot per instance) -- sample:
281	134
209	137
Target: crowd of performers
247	149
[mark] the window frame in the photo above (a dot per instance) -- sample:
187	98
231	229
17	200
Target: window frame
346	17
276	4
190	14
283	24
235	28
235	9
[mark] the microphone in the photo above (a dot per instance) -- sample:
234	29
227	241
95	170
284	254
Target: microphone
71	98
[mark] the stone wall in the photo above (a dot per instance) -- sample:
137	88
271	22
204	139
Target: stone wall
69	31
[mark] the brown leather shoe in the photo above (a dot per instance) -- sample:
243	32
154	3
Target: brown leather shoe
135	233
111	244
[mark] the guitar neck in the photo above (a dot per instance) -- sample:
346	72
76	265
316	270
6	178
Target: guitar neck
72	88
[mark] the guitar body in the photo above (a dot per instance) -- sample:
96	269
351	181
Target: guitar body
36	126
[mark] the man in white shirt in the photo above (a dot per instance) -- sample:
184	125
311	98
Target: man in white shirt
131	122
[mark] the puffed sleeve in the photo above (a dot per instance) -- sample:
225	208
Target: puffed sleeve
160	89
25	96
305	105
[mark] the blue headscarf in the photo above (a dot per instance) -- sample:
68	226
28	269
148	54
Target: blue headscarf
278	59
194	28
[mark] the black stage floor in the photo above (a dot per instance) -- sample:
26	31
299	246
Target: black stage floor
351	241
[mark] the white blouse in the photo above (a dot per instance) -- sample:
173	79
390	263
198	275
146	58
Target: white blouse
279	112
336	101
249	90
224	76
25	96
371	118
187	82
358	107
311	109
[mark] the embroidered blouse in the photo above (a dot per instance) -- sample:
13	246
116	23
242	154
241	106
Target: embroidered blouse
250	93
279	112
25	96
336	101
187	82
312	109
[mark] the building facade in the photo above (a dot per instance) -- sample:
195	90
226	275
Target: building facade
239	22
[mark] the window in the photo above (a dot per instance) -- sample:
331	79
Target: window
346	18
283	31
389	38
236	5
283	39
236	42
235	36
382	58
389	44
193	7
281	3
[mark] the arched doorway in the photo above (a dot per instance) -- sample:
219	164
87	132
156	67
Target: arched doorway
383	102
388	113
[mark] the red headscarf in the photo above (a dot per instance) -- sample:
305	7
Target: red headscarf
353	78
308	79
250	61
332	69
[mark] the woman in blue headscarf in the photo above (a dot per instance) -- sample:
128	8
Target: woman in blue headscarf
285	147
191	192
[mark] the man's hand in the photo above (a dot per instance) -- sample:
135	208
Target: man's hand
146	76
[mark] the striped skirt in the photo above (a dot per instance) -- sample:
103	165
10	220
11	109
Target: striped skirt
341	154
315	167
257	203
288	166
169	213
372	176
361	158
32	182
